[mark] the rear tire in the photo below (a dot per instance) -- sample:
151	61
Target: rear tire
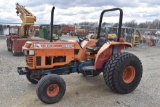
51	88
154	42
123	72
13	51
9	49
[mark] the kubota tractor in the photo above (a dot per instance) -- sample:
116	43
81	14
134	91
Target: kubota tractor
45	61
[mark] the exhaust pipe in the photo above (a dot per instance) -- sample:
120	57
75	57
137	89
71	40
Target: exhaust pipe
51	26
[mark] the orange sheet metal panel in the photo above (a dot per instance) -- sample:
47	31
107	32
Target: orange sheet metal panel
54	50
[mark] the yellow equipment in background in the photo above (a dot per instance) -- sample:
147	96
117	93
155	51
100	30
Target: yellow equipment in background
27	18
132	36
106	32
112	36
16	41
136	38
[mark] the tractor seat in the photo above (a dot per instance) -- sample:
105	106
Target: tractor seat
95	48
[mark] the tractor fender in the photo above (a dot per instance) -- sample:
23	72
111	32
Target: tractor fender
107	50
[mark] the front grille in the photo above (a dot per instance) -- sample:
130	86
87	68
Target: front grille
38	60
29	61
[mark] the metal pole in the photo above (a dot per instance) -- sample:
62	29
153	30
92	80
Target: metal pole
51	26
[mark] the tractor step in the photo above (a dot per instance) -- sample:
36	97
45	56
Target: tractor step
87	68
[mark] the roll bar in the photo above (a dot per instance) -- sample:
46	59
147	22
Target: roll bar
120	21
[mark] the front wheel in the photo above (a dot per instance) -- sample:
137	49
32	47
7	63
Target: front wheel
123	72
32	78
51	88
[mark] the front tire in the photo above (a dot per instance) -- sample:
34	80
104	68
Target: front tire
51	88
123	72
31	78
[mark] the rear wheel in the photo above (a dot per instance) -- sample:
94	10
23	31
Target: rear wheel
123	72
129	74
154	42
9	48
13	51
51	88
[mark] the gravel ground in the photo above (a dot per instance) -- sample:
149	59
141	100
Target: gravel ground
16	91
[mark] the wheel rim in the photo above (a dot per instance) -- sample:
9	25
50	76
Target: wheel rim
36	76
129	74
52	90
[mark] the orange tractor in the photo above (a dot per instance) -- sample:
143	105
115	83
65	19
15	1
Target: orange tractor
122	71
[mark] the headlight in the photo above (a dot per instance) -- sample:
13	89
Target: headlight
28	52
31	52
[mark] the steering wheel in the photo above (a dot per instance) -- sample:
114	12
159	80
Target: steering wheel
82	38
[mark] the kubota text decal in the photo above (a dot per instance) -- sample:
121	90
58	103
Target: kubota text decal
53	45
67	46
